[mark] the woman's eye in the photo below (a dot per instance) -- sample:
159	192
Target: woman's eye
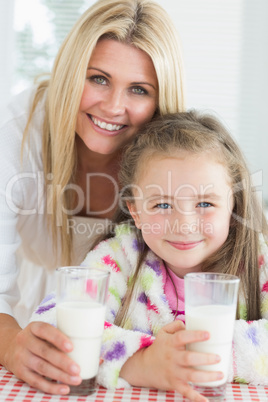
139	91
204	204
98	79
163	205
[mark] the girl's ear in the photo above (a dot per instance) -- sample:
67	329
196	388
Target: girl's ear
134	213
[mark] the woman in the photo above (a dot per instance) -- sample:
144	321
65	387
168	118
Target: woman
61	145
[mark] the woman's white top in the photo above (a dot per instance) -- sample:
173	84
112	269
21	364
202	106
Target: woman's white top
27	258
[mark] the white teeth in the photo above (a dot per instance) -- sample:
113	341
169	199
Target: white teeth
105	126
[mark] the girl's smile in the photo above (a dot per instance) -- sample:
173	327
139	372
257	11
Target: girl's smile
185	245
183	206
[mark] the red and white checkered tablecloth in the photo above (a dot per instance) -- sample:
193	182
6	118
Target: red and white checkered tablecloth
14	390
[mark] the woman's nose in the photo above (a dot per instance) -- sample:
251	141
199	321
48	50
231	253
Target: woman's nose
114	103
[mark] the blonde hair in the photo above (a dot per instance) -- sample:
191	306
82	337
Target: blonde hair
196	134
140	23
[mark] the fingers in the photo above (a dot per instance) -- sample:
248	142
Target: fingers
49	369
182	367
44	385
182	336
44	353
187	391
188	358
198	376
37	373
52	335
179	366
173	327
40	358
185	337
48	361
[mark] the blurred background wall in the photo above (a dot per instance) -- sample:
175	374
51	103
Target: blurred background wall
225	46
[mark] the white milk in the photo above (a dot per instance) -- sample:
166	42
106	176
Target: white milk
83	323
218	320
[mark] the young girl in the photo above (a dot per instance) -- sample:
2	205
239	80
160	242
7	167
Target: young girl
187	204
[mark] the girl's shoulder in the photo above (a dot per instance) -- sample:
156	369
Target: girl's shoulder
263	267
263	258
119	253
263	279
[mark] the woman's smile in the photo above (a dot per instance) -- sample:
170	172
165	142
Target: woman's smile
118	97
110	126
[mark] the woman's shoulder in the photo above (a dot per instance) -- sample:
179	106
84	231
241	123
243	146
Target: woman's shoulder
13	120
18	107
14	115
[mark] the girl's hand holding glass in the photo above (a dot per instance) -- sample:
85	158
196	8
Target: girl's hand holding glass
167	365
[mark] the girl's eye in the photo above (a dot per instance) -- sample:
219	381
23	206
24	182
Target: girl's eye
139	91
163	205
98	79
204	204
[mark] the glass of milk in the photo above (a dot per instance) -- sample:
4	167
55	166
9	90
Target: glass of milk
80	307
210	305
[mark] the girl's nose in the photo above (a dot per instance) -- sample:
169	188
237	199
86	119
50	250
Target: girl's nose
114	103
187	223
189	228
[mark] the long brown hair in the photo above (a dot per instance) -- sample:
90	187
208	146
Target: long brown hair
197	133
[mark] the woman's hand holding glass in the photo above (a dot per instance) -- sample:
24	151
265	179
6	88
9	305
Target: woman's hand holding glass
37	355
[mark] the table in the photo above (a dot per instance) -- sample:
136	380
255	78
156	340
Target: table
12	389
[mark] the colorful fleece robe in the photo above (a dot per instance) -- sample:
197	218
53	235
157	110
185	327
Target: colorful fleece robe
149	311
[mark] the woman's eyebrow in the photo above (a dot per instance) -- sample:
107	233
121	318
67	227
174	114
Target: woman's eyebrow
101	71
143	83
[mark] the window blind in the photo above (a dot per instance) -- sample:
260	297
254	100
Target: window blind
225	46
6	49
39	35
